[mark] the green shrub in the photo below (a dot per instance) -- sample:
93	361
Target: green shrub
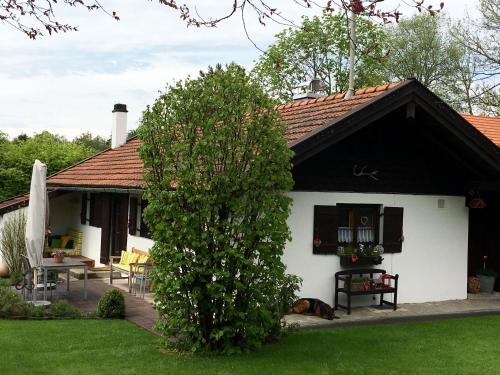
36	311
62	309
12	243
219	236
12	304
111	305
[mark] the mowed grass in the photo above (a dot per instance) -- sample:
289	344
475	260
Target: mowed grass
458	346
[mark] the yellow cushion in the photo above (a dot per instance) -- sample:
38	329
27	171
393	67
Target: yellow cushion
124	267
124	259
143	259
64	241
133	258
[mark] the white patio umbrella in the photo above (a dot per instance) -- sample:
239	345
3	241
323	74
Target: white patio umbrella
38	215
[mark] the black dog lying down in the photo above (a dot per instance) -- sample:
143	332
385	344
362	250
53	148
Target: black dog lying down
313	306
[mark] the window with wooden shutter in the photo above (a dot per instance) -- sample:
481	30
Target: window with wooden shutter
95	210
83	212
393	229
132	220
325	236
358	224
144	228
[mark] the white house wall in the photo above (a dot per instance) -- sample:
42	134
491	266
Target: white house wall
65	214
139	242
432	265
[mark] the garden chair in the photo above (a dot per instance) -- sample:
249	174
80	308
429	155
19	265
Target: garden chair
27	284
141	278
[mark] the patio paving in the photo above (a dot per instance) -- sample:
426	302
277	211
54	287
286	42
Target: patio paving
475	304
141	312
137	310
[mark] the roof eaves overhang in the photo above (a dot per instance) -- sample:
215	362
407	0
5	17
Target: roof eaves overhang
100	189
458	126
365	114
343	126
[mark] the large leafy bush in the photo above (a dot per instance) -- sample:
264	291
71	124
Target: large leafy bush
218	167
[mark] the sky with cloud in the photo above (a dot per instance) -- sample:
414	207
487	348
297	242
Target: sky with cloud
68	83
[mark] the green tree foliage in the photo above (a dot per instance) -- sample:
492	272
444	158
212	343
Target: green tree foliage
481	39
17	157
89	141
436	53
320	49
218	169
422	48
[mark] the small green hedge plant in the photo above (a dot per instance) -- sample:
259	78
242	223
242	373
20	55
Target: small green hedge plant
62	309
111	305
12	304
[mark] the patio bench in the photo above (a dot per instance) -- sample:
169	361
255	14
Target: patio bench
365	285
128	268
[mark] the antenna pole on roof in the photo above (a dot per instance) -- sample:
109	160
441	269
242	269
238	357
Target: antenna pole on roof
352	56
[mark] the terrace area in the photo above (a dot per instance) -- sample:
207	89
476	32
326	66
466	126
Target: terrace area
142	313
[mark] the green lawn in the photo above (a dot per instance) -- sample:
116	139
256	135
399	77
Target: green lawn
461	346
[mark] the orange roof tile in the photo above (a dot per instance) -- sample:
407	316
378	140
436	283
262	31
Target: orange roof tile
489	126
119	167
122	168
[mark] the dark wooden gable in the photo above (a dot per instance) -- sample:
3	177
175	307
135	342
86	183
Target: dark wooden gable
395	155
417	143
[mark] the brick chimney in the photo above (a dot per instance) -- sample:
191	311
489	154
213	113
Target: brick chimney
119	127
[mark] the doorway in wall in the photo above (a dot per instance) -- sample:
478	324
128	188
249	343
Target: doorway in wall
484	237
114	225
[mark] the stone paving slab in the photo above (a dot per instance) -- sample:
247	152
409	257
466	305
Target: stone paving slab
475	304
141	311
137	310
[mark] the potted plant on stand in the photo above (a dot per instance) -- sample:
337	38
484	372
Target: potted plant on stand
487	277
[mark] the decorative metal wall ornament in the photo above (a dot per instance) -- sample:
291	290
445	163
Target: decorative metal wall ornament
363	172
477	201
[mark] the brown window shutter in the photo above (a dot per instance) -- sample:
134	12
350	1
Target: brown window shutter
393	229
83	212
144	228
325	236
95	210
132	220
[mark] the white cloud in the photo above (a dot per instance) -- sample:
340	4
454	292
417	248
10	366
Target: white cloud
68	83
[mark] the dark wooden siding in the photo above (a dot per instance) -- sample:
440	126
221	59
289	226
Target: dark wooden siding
411	156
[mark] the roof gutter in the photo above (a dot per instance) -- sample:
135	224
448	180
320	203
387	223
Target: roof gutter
100	190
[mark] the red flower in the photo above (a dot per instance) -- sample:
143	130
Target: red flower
354	258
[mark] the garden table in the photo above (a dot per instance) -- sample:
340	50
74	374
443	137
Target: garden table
67	264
